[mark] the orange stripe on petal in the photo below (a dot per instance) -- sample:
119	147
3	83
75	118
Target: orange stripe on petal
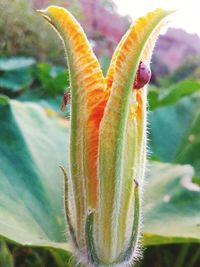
87	102
93	123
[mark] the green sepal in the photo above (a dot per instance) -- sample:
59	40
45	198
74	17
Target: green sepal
92	255
132	247
67	211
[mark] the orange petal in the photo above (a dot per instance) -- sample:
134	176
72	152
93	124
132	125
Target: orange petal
88	99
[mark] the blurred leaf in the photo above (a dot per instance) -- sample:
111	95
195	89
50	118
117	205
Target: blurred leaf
14	81
32	145
171	205
185	71
164	97
38	96
26	256
3	99
153	97
170	125
54	79
63	259
33	142
105	63
15	63
189	149
179	90
175	133
6	258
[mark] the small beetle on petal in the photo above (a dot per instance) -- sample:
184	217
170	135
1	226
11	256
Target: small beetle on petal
65	101
142	77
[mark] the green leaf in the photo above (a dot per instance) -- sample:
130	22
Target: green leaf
169	126
171	205
63	259
179	90
171	95
15	63
37	95
6	258
175	133
54	79
32	146
153	97
3	100
189	150
15	81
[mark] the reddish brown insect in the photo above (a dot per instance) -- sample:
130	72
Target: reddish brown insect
142	76
65	101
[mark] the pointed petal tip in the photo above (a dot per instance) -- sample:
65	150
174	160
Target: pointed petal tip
52	13
168	15
45	14
167	12
170	12
50	9
42	11
164	12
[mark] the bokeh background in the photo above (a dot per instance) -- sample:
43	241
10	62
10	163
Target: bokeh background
33	70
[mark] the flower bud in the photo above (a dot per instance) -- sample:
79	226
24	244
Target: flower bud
103	189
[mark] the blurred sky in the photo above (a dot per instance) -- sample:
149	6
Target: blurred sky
187	16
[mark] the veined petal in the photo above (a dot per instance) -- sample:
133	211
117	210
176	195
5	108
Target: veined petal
111	69
122	145
88	99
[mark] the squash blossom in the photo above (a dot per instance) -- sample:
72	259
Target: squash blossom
103	188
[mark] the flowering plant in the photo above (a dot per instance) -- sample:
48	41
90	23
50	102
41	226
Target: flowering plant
103	188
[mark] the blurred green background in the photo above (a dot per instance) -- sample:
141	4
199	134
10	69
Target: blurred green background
33	142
